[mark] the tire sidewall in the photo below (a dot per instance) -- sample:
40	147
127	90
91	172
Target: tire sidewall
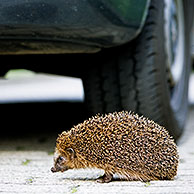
176	104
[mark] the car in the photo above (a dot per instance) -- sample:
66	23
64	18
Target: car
131	55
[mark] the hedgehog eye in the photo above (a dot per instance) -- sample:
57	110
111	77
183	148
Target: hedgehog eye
61	159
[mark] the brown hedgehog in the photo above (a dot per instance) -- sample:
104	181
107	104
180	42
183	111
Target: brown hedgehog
121	142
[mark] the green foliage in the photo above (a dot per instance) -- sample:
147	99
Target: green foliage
147	184
17	73
74	189
26	162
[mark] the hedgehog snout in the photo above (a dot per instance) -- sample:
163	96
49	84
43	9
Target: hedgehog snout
59	169
59	165
53	169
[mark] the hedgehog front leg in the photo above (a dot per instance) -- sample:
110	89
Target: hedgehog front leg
106	178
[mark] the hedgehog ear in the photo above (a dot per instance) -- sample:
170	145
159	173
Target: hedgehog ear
71	152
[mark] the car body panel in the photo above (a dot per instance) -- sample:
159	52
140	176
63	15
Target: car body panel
94	24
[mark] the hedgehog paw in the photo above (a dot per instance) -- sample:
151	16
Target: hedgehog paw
106	178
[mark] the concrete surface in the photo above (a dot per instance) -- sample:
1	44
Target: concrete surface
39	87
25	163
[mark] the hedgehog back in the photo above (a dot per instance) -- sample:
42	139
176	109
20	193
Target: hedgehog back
126	141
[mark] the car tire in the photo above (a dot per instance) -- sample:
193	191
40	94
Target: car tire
138	76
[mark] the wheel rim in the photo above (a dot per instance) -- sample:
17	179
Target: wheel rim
174	40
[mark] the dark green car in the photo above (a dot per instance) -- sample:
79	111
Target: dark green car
131	54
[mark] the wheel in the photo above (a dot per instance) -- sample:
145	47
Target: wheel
150	74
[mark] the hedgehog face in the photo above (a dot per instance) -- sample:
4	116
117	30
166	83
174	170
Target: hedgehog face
63	161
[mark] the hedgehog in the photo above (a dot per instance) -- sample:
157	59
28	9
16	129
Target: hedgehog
121	143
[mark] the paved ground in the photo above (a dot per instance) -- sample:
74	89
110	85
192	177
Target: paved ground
25	163
26	86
